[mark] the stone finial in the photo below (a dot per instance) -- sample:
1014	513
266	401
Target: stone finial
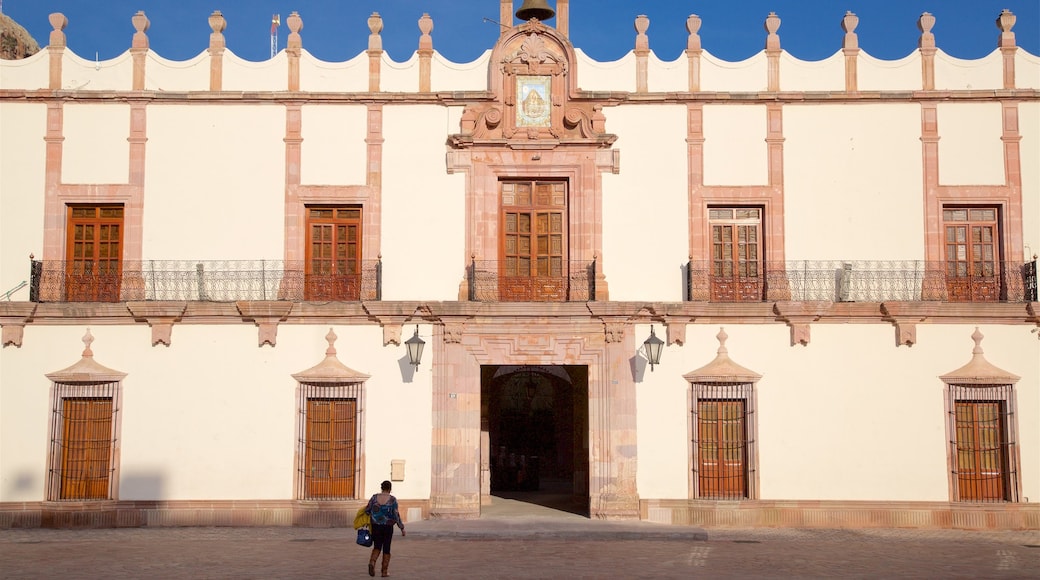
426	27
693	26
925	24
217	24
722	336
58	22
375	26
642	23
1005	22
977	337
849	24
141	24
87	340
294	43
331	338
772	25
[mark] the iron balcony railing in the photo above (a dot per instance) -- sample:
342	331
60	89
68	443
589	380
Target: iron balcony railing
206	280
569	281
861	281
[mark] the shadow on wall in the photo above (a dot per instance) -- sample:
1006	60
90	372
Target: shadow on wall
141	486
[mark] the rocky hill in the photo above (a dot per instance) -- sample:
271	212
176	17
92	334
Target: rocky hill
15	41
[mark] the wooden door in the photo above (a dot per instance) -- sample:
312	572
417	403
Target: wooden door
330	450
722	448
981	456
86	450
94	253
534	242
972	254
736	266
333	254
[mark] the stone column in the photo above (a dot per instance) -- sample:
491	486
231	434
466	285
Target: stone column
425	52
293	47
56	48
926	45
563	17
642	51
375	51
693	52
216	50
850	47
139	48
773	51
1007	46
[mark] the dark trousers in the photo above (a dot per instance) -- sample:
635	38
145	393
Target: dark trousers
382	535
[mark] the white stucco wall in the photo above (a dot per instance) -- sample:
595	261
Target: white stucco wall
617	75
1029	126
446	75
970	149
248	76
333	151
1027	70
22	171
852	177
748	75
423	207
806	75
319	76
952	73
735	151
199	168
645	207
222	427
86	73
90	128
26	73
161	74
848	417
875	74
399	77
667	76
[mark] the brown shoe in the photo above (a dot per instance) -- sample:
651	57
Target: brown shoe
372	562
386	564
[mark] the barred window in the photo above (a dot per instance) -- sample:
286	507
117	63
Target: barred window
983	448
723	425
83	435
329	440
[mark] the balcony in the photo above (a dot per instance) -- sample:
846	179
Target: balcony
215	281
865	281
574	282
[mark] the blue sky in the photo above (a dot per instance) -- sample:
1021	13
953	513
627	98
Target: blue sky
336	30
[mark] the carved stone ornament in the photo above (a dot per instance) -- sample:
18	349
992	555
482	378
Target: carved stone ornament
453	332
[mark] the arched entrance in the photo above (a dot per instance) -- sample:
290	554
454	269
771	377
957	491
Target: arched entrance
535	436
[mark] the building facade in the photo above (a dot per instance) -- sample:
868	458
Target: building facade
225	263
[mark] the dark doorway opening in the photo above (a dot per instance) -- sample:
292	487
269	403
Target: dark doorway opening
535	443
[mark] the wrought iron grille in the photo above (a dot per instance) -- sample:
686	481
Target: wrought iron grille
725	462
328	446
1029	275
982	443
205	280
861	281
576	282
82	441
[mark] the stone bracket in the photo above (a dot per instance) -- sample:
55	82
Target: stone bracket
798	316
392	316
13	316
905	316
160	316
1033	308
266	315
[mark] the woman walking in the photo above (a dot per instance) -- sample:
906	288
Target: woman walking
383	509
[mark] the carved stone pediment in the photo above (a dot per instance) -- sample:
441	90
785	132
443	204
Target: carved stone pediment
534	101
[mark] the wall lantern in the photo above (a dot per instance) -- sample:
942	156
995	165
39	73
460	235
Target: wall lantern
652	347
415	346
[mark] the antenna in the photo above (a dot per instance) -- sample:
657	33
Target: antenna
276	21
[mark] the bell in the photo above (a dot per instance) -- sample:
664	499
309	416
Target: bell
535	9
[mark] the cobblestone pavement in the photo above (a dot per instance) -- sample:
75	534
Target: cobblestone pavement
520	548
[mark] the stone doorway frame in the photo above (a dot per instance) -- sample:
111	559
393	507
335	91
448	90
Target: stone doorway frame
546	336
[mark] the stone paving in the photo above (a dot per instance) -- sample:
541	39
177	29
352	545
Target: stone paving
519	548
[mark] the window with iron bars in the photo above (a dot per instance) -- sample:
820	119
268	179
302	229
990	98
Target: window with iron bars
982	430
724	453
83	431
329	437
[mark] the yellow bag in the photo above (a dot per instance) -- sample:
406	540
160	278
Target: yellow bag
362	519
